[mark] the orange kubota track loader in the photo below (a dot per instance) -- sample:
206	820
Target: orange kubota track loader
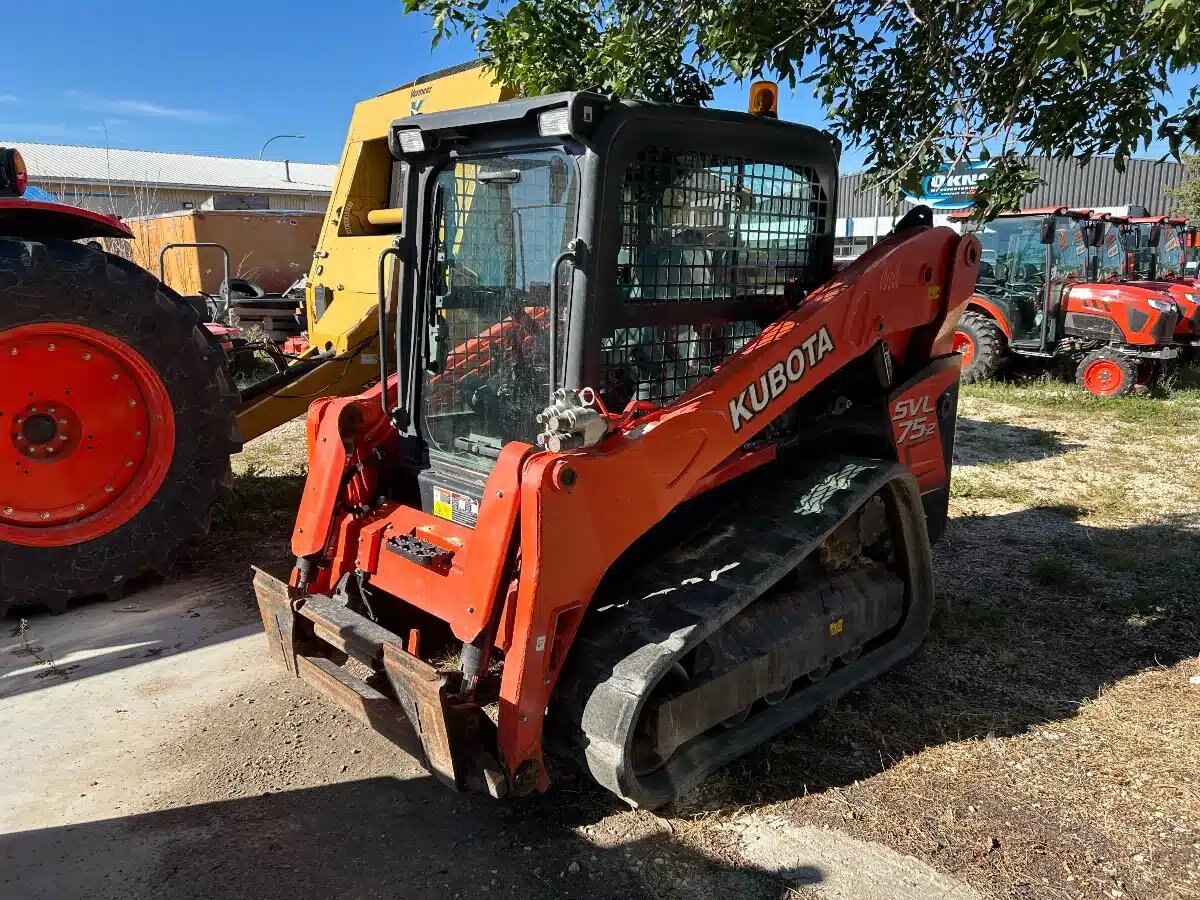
642	483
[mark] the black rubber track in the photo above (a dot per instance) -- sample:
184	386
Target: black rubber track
655	617
989	346
61	281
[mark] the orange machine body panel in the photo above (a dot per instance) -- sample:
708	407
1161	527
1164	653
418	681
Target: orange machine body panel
1127	305
539	508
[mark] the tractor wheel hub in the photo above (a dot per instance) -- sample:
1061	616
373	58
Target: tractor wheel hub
91	433
39	428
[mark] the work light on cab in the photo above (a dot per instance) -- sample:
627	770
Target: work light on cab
554	122
411	140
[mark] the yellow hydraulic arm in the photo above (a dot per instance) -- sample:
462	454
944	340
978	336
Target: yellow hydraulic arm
359	224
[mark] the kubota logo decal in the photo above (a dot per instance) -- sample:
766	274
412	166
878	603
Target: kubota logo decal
758	395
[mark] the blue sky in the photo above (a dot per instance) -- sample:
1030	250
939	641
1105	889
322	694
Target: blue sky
221	77
167	76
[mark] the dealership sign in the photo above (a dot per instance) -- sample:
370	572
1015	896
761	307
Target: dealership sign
952	187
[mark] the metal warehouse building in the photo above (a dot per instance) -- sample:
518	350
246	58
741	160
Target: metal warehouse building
129	183
864	216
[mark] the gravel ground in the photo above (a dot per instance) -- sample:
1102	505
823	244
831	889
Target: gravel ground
1044	742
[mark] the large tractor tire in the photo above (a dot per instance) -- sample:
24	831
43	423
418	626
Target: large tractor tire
981	343
117	420
1107	373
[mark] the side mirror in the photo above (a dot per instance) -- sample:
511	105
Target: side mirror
1095	234
1046	233
1155	235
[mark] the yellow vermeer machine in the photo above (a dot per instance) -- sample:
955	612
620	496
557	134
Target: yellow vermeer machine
118	412
342	294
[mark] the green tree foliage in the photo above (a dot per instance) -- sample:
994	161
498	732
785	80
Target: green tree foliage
917	83
1187	195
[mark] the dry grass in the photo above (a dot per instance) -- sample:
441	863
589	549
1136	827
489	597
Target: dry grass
1045	742
253	525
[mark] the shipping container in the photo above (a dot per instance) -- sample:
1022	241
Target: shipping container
271	248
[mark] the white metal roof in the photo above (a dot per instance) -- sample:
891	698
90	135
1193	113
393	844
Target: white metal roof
51	163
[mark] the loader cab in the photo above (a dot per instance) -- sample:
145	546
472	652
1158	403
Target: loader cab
1028	261
575	241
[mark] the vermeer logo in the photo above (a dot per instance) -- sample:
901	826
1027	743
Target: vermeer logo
758	395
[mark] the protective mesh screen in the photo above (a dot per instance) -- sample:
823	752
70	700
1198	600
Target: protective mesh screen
661	363
698	226
704	227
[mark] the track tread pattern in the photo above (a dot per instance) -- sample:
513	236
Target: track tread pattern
67	282
656	616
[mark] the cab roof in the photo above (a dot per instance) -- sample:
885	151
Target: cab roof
1032	211
590	115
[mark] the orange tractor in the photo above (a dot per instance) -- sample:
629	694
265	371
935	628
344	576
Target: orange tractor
1153	252
1039	297
642	483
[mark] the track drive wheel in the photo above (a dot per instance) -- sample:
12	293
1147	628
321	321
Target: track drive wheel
982	345
116	423
1107	373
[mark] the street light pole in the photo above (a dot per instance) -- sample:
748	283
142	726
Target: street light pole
296	137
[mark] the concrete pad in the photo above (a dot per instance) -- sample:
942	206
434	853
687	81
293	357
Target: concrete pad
834	866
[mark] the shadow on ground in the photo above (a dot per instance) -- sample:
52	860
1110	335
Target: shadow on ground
380	837
980	442
1036	613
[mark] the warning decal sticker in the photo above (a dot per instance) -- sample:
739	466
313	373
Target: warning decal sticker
456	507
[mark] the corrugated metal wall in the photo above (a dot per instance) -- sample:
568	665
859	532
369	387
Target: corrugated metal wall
1144	182
146	200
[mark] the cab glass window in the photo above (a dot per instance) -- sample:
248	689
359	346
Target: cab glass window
501	222
1068	251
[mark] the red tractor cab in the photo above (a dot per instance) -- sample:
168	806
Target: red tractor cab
1039	296
1157	247
1153	252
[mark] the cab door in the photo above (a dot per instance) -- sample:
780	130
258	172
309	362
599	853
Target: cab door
1012	275
1069	255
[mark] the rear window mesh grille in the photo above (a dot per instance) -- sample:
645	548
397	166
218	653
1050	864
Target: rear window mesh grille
659	364
699	226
